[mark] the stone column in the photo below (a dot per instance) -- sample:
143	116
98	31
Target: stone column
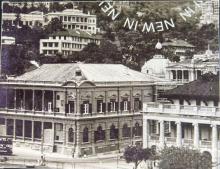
43	92
23	99
23	132
42	137
77	141
196	135
64	138
162	140
106	102
32	130
145	133
78	102
14	131
53	101
178	134
33	100
214	146
15	99
182	76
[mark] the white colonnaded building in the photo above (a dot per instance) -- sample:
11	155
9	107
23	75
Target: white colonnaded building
191	118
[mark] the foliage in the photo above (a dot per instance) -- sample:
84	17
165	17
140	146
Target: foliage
13	60
135	155
54	25
182	158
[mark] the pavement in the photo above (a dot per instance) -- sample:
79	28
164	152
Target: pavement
58	161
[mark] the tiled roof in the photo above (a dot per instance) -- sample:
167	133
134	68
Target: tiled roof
177	43
207	87
92	72
76	33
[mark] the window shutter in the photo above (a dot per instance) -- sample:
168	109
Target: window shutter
116	106
122	106
129	106
140	105
109	107
90	108
103	107
98	107
82	109
66	108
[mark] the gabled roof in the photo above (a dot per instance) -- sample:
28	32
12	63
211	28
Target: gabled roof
95	73
207	87
177	43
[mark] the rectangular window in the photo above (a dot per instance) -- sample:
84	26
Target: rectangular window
69	18
56	44
100	106
112	105
58	97
44	44
65	18
137	104
50	44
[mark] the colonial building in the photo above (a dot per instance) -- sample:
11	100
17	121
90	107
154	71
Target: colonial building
191	69
74	19
191	118
75	109
177	46
185	70
67	42
31	19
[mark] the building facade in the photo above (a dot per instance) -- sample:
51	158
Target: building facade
191	118
67	42
177	46
32	19
7	40
210	13
75	109
191	69
74	19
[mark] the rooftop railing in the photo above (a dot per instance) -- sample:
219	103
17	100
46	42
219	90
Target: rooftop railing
181	109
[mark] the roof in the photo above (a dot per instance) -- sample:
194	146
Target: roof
207	87
95	73
75	33
177	43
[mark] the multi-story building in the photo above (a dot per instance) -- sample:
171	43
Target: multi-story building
184	71
191	69
67	42
31	19
191	118
7	40
75	109
74	19
177	46
210	12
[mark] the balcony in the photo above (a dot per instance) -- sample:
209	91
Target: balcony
181	109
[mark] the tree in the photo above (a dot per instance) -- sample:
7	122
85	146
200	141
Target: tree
54	25
136	155
182	158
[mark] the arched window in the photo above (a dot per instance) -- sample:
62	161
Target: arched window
85	135
113	132
126	131
137	130
70	135
99	134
